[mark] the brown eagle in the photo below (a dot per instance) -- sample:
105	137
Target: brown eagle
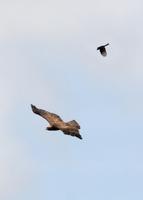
102	49
56	123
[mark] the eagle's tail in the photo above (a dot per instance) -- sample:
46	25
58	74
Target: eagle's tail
73	123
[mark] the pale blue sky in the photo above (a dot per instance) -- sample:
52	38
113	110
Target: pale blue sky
48	58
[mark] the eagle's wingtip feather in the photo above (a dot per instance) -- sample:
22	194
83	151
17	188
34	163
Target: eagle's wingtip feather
80	137
34	109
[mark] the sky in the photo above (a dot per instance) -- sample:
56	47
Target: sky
48	57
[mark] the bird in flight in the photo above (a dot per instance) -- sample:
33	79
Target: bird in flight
102	50
56	123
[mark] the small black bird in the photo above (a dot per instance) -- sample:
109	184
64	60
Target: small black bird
102	49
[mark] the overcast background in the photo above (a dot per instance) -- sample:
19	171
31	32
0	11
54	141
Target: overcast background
48	58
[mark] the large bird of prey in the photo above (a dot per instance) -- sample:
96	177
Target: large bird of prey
56	123
102	50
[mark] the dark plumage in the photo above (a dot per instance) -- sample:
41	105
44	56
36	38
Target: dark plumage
102	50
56	123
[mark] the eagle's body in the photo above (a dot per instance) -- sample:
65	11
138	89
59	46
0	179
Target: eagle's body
56	123
102	50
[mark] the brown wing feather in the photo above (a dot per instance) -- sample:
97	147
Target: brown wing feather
72	132
50	117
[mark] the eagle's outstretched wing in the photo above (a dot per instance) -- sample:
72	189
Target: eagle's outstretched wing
72	132
50	117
